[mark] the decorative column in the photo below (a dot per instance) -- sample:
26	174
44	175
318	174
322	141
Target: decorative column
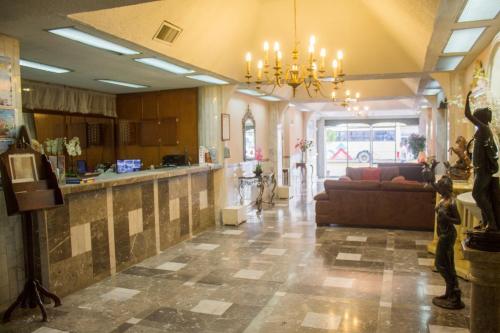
485	298
276	111
212	101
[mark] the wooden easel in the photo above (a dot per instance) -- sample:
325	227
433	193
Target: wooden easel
28	187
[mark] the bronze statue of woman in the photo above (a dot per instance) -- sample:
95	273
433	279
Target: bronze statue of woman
485	161
447	218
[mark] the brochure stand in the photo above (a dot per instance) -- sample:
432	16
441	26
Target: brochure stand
29	185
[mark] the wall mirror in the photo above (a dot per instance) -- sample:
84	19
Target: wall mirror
248	136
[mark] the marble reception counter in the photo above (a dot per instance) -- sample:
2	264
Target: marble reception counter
120	220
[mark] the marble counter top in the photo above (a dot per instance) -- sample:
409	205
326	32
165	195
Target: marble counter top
111	179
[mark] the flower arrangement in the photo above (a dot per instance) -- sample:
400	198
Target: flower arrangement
54	146
259	157
416	143
303	144
73	147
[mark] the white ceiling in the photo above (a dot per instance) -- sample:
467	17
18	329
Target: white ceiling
391	46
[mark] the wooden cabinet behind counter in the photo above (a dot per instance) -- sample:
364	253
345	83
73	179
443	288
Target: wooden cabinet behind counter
161	123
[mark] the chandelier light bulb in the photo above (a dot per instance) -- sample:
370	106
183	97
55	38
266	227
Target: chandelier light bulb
311	48
348	93
366	108
340	55
335	64
266	46
260	64
248	57
349	108
334	95
322	52
312	40
358	95
279	55
356	108
276	46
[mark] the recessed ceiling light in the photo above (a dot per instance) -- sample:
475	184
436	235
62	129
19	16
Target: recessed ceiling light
291	105
270	98
94	41
305	110
166	66
463	40
43	67
125	84
448	63
207	78
250	92
431	92
478	10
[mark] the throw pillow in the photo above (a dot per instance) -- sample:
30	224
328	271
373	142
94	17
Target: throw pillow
388	173
345	178
354	173
371	174
398	179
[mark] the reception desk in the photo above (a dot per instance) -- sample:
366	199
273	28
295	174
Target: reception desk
119	220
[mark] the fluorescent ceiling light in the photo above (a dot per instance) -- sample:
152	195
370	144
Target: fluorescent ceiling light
448	63
478	10
207	78
43	67
250	92
463	40
125	84
270	98
305	110
166	66
94	41
431	92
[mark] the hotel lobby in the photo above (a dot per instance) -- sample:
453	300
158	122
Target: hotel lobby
212	166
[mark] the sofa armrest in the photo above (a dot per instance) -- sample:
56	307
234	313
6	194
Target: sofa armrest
321	196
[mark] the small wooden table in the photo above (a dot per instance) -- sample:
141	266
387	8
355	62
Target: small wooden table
262	181
303	170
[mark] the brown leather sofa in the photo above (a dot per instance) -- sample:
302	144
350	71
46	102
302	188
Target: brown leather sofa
372	203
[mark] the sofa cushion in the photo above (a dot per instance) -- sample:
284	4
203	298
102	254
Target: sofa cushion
409	186
371	174
321	196
354	173
388	173
345	178
352	185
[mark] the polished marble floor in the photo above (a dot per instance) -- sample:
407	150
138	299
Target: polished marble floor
274	273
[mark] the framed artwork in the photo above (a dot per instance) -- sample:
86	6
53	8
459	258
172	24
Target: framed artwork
23	168
7	124
226	129
5	82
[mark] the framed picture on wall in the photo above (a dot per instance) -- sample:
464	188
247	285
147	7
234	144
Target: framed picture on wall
23	168
225	124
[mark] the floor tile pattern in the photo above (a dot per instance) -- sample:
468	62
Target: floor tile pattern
276	273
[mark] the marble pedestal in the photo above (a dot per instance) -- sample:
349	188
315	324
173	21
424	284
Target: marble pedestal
485	298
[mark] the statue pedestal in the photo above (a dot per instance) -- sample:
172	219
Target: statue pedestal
485	298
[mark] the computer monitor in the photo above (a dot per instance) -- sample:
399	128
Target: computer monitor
124	166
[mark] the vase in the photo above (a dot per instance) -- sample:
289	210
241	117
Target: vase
58	165
421	158
303	157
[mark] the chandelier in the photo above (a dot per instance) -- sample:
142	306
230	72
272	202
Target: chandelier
347	100
309	74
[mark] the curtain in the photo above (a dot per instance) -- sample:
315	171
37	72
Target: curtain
44	96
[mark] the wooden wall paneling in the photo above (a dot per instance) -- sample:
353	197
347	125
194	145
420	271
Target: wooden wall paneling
129	106
168	131
150	133
77	126
49	126
150	106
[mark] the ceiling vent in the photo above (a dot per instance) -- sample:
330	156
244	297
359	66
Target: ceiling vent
167	33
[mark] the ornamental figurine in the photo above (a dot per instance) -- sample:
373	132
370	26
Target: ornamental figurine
485	160
461	170
447	218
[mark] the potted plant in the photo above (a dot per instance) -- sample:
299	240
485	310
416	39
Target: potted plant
304	145
259	157
73	149
416	145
